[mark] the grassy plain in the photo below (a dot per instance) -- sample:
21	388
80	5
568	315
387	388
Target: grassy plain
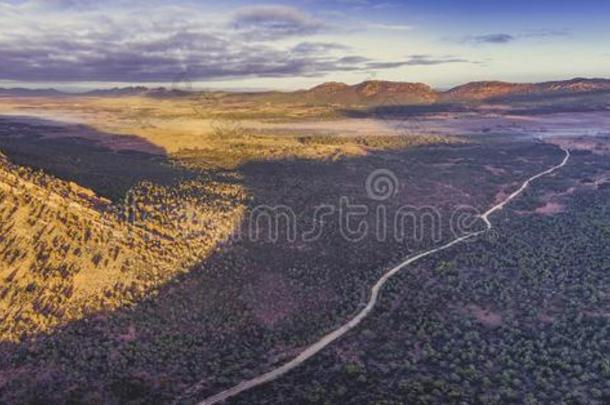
216	130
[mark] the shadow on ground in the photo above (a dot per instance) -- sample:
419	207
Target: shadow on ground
254	302
109	164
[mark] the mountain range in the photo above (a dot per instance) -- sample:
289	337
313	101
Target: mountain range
370	93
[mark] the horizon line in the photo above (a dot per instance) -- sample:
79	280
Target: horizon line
189	88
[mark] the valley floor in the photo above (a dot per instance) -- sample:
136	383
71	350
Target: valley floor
521	315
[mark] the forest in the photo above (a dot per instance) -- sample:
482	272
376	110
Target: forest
135	293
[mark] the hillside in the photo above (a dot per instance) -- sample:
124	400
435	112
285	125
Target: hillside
491	90
371	93
67	252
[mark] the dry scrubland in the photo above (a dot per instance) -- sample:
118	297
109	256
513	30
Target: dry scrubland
68	252
121	283
210	127
521	317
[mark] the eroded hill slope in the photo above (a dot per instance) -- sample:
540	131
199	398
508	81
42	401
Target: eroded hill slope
66	252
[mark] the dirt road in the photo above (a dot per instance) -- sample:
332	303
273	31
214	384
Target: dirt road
326	340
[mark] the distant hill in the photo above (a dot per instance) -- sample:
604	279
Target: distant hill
138	91
22	92
495	90
117	92
368	93
373	92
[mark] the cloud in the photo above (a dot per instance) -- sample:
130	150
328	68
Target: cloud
319	47
272	22
353	60
116	54
546	33
71	45
204	57
419	60
504	38
490	38
390	27
60	44
360	5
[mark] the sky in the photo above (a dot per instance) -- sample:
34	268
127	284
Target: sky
286	45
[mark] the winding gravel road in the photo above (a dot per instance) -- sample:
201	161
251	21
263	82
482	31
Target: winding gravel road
326	340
